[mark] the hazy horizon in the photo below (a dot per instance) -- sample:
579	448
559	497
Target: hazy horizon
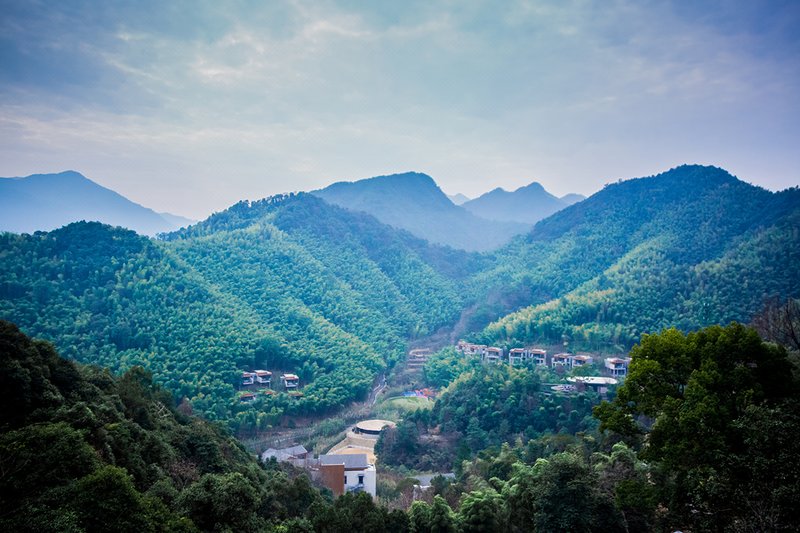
188	107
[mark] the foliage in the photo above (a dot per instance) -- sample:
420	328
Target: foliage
689	248
443	367
289	283
83	451
713	405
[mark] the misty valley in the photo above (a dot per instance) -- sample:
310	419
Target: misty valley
337	361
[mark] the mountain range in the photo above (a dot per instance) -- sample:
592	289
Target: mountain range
42	202
412	201
293	283
526	205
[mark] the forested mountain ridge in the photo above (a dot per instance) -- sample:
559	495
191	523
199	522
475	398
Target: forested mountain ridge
298	285
527	205
689	247
289	283
43	202
412	201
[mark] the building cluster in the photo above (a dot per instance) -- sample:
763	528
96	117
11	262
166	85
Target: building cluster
614	366
349	466
263	380
339	472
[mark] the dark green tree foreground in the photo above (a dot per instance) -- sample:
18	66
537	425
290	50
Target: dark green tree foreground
717	415
81	450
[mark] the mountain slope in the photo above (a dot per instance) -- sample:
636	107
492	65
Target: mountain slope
572	198
289	283
412	201
42	202
458	198
645	254
526	205
84	451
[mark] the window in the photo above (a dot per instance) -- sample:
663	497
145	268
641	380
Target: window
361	479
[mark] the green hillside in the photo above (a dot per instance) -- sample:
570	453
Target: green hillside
252	287
84	451
690	247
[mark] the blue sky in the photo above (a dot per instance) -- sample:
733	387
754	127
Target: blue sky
192	106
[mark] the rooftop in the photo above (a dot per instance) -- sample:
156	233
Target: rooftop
351	461
593	380
374	426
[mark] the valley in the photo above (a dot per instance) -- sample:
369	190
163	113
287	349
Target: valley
291	321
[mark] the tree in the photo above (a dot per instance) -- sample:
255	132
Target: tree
558	494
481	512
688	394
779	322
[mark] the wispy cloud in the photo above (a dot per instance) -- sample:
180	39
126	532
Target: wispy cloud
290	94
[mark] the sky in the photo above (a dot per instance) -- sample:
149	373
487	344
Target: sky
189	107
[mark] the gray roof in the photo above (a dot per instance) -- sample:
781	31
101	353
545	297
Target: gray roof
350	461
284	454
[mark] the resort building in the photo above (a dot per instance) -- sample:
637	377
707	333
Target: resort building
492	355
471	349
290	381
263	377
248	378
563	360
517	356
581	360
539	357
617	366
348	473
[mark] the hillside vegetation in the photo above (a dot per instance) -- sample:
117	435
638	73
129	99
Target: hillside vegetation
81	450
294	284
691	247
251	287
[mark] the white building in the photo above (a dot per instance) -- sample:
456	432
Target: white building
493	355
617	366
516	356
291	381
348	473
581	360
264	377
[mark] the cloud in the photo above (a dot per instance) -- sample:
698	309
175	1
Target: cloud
288	94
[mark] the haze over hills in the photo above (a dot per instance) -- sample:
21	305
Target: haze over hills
458	198
526	205
572	198
412	201
42	202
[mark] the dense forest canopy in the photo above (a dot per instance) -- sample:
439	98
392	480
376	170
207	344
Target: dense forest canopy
293	284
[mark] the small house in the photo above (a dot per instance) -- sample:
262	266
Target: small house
517	356
348	473
248	378
291	381
562	360
617	366
581	360
492	355
247	397
539	357
263	377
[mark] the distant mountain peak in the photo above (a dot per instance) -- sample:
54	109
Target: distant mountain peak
414	202
532	187
458	198
527	204
49	201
